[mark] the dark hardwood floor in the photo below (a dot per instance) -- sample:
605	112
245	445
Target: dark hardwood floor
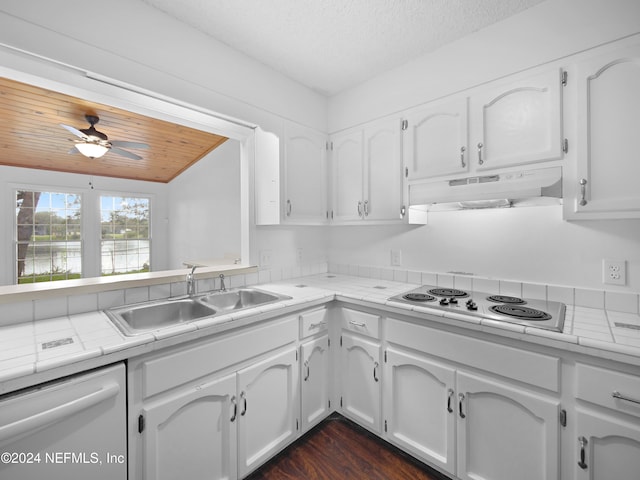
339	449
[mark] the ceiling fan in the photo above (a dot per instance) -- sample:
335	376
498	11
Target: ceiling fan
95	144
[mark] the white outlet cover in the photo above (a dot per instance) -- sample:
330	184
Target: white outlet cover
614	272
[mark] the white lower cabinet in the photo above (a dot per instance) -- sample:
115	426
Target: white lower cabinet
192	433
607	446
315	382
469	425
267	409
418	407
360	381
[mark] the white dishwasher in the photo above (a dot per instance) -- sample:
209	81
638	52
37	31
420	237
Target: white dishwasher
66	429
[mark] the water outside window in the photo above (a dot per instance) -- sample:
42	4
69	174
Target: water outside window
125	237
48	236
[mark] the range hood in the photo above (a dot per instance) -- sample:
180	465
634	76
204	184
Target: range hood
521	187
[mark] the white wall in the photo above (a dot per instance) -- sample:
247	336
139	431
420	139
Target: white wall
204	209
527	244
59	181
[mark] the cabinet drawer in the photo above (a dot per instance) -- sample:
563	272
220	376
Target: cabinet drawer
608	388
173	369
313	322
361	322
514	363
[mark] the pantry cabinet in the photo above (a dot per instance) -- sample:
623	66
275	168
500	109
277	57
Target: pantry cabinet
305	175
605	182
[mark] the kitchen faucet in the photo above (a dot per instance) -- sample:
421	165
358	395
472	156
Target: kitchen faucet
222	287
191	283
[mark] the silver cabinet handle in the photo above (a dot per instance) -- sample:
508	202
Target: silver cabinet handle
403	211
375	371
235	408
317	325
244	408
462	150
583	456
583	192
480	160
306	365
356	324
366	208
359	209
460	401
288	208
449	397
620	396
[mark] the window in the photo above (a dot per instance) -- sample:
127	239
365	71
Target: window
125	239
48	236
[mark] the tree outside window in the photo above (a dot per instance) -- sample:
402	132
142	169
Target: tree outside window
125	237
48	236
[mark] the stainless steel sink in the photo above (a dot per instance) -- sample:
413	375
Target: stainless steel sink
144	317
141	318
239	299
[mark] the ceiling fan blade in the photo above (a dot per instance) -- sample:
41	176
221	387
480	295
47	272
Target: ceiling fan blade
75	131
125	144
124	153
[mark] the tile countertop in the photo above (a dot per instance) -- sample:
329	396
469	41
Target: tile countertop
43	350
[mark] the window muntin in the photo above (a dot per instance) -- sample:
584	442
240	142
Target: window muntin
125	234
48	236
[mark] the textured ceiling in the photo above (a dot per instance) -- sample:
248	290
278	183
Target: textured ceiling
331	45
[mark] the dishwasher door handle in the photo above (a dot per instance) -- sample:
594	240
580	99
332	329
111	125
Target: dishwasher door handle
25	426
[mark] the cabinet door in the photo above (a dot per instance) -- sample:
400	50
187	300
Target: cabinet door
608	163
305	199
315	381
348	172
518	123
267	409
436	140
192	434
494	418
383	170
606	447
419	407
360	380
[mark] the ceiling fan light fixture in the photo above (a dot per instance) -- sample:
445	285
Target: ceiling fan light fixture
91	150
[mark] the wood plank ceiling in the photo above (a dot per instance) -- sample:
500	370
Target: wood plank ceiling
31	136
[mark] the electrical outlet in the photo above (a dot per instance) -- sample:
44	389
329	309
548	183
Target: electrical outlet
396	258
265	258
614	272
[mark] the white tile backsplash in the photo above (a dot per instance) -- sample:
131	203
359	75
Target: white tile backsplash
50	307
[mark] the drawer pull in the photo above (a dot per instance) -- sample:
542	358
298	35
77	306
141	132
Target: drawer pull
356	324
449	397
620	396
583	443
317	325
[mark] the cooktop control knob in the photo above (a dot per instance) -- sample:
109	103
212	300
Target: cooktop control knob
453	301
444	301
471	305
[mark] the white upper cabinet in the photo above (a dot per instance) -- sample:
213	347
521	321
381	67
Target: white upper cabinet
348	176
436	140
607	170
367	176
305	174
517	123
